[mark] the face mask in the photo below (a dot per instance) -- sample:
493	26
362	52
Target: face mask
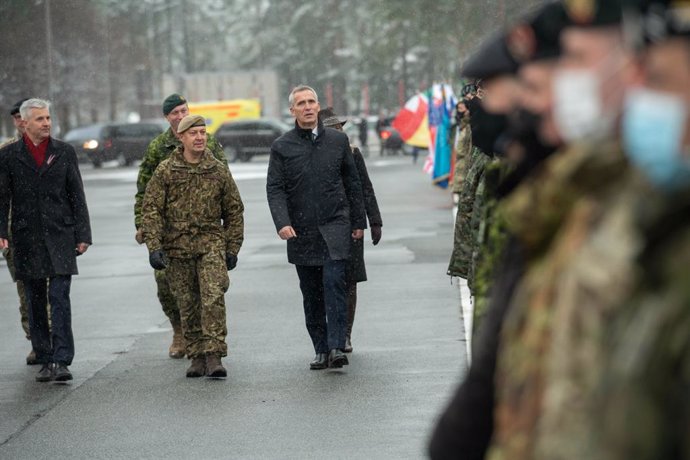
653	128
486	127
578	109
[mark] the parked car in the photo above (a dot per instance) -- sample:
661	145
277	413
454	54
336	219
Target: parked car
391	142
243	139
124	142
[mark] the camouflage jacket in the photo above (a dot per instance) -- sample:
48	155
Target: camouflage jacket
463	150
466	227
192	209
158	150
574	222
641	409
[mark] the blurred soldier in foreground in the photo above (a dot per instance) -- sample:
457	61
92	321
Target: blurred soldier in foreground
175	108
642	409
356	269
192	215
41	186
316	202
7	252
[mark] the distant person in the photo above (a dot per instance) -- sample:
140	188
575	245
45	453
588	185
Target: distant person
193	225
363	134
380	124
356	270
316	202
175	108
41	186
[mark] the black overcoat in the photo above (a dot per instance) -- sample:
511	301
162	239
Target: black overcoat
314	187
356	270
48	206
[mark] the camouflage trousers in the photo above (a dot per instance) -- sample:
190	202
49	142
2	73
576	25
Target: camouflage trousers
23	305
199	285
166	298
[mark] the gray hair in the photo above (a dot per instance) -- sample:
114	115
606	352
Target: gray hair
33	103
299	89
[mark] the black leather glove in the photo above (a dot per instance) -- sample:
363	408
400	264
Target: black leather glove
375	234
157	260
231	261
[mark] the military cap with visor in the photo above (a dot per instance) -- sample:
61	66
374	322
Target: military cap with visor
190	121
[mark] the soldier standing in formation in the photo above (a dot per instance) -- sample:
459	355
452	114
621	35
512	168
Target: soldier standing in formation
192	215
175	108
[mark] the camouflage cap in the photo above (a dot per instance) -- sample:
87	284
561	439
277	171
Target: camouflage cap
171	102
15	107
190	121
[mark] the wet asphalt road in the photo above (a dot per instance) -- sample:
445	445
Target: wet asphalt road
129	400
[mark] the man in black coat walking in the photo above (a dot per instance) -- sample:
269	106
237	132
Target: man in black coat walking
316	201
40	181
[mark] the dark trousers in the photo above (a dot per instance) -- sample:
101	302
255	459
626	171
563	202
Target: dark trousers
325	308
53	344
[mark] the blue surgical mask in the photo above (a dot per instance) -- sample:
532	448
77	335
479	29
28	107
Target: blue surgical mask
653	129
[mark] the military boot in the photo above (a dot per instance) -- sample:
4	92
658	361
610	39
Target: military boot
198	367
214	368
177	347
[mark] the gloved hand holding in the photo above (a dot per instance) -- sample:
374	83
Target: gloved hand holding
375	234
157	260
231	261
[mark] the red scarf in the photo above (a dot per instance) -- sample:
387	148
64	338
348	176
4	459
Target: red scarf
38	152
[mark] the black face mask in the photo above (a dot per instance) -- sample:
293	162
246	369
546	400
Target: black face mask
486	127
523	129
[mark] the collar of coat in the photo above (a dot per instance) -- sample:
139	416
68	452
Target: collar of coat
52	154
305	133
178	162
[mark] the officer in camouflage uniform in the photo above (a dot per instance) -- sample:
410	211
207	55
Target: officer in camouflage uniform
192	216
174	109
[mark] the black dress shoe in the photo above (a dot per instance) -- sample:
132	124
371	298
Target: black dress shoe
337	359
62	374
320	362
46	373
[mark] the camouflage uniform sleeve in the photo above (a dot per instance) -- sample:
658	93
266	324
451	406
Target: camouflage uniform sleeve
233	215
152	158
216	149
152	209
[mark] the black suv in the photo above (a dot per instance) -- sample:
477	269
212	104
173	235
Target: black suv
243	139
124	142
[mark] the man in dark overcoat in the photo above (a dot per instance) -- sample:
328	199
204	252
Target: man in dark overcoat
316	201
40	181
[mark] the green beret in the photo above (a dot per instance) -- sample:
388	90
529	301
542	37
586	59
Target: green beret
190	121
171	102
492	59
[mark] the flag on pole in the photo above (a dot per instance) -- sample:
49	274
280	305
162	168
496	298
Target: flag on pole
411	122
438	163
